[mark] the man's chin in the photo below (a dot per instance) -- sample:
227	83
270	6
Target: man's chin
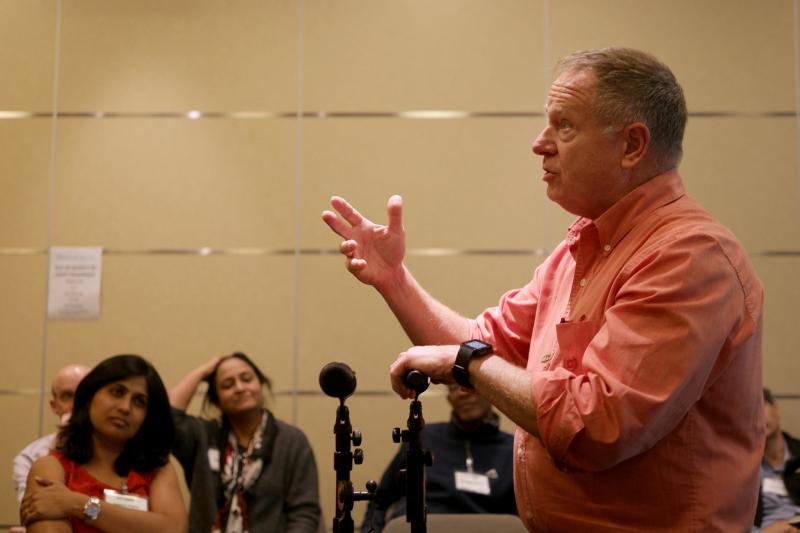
553	194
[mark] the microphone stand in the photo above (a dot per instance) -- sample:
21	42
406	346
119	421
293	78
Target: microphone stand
343	460
416	457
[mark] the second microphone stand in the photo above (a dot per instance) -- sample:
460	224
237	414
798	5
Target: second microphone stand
343	460
417	458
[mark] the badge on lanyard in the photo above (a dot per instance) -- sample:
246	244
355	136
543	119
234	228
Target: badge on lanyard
470	481
774	486
128	501
213	459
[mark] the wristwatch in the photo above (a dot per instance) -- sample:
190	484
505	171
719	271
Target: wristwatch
466	352
92	509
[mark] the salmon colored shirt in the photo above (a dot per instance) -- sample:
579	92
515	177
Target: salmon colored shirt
642	335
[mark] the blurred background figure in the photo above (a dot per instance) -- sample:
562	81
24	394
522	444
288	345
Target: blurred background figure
110	470
472	468
63	390
778	507
247	471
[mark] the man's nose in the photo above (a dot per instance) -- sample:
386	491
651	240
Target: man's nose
543	145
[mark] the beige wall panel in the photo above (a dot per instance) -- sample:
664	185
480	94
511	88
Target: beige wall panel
781	334
728	56
283	406
758	197
151	55
23	282
790	415
343	320
27	33
470	284
470	183
179	312
161	183
19	416
24	182
363	55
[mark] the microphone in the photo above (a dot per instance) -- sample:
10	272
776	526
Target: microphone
337	380
416	381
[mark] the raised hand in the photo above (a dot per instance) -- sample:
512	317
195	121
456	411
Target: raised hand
207	368
374	253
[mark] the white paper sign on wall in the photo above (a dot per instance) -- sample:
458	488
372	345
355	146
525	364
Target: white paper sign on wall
74	288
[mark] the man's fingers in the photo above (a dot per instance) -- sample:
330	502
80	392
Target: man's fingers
348	212
394	210
339	227
355	265
397	372
348	248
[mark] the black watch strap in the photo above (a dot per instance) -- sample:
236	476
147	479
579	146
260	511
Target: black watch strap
466	352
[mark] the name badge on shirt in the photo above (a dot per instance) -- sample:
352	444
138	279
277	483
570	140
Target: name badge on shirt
213	459
774	486
128	501
472	482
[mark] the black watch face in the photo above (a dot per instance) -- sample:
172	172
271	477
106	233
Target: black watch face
475	345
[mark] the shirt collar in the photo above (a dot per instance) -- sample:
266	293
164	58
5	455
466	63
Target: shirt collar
621	217
787	456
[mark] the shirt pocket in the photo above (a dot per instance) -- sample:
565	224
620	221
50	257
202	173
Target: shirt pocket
573	338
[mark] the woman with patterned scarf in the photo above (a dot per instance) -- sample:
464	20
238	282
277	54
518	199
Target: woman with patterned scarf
247	472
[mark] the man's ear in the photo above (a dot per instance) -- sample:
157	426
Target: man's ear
53	407
636	144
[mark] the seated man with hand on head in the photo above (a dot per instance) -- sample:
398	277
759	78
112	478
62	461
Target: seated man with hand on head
63	389
473	466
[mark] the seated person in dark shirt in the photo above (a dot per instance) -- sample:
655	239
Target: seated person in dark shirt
472	468
778	506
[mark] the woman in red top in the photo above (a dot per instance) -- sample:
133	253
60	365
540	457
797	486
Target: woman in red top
110	470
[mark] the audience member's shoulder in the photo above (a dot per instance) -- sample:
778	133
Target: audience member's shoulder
47	466
289	430
38	447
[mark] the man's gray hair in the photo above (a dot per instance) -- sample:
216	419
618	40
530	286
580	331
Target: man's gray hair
633	86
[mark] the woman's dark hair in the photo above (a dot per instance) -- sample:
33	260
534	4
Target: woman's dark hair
151	445
211	391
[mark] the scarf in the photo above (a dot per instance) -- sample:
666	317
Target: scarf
240	470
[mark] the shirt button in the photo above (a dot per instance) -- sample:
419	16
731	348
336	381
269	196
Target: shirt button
584	281
607	248
519	452
569	364
528	515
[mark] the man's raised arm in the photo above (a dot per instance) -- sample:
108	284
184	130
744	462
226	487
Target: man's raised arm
374	255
